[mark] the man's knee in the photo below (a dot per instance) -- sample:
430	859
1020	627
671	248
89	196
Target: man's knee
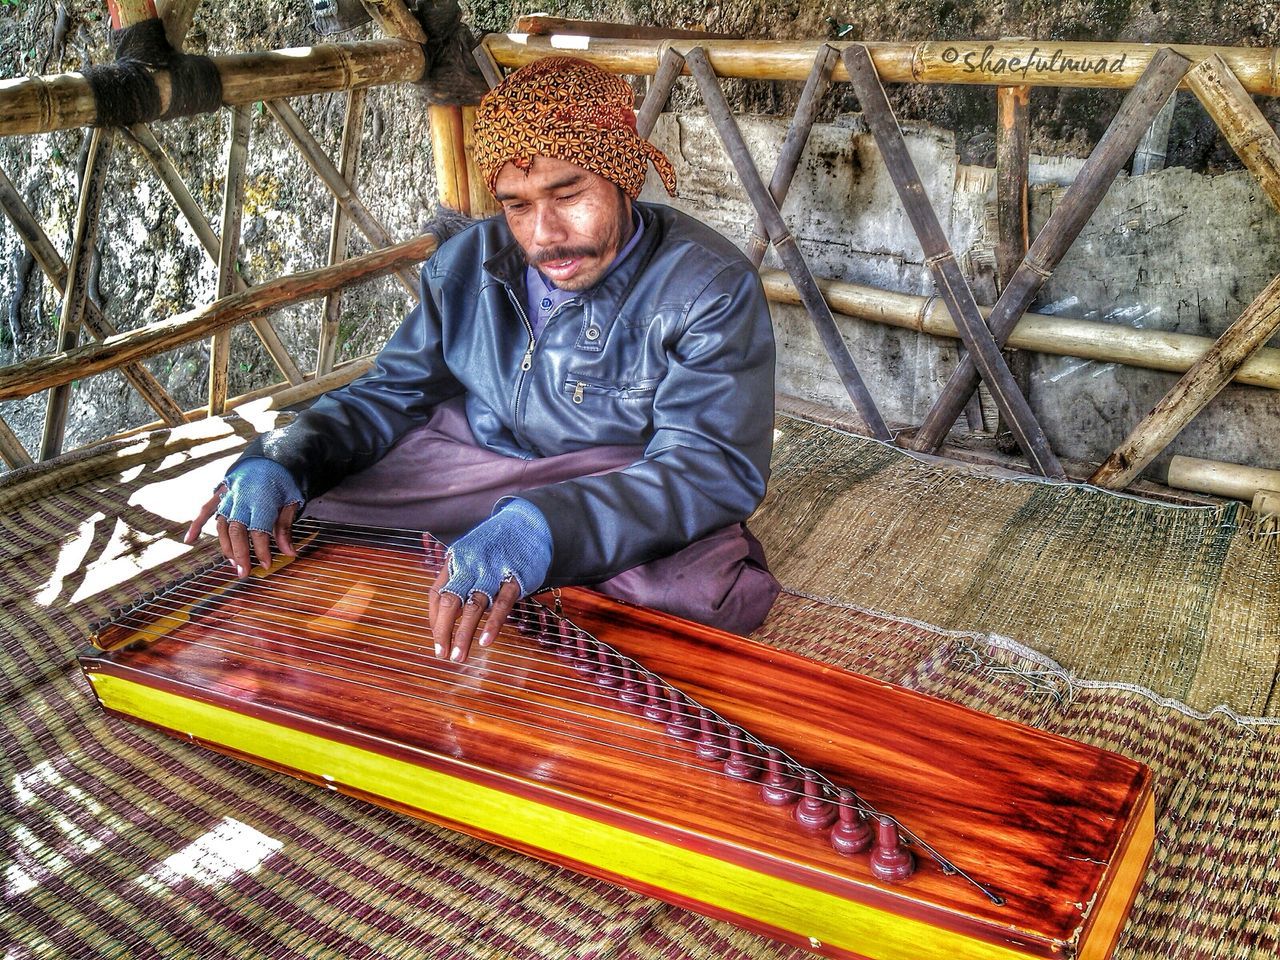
721	581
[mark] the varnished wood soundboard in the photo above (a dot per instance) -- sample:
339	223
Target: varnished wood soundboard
1060	830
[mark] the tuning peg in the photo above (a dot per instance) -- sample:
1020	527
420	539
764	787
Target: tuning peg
890	860
851	833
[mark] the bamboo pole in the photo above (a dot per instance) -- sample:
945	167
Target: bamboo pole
1266	501
342	191
177	16
287	394
1055	335
659	92
483	203
348	158
282	394
941	260
1013	155
1221	479
63	101
41	373
793	144
76	292
1059	336
1059	232
51	262
1257	145
541	25
1241	122
488	65
1192	393
784	243
142	137
449	156
11	449
991	63
395	20
125	13
232	216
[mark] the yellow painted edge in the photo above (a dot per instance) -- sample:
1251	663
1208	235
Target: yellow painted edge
831	920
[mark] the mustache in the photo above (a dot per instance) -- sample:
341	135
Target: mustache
550	254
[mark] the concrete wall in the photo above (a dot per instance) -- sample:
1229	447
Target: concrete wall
1173	250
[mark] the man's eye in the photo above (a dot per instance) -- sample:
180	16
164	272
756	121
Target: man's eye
569	196
515	207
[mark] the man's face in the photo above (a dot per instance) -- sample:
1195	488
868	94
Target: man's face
569	222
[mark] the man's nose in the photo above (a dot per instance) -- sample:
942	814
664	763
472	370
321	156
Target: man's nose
548	227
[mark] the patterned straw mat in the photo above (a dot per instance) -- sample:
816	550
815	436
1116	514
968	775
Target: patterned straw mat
1182	600
120	842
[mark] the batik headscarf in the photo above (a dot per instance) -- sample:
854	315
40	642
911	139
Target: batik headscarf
568	109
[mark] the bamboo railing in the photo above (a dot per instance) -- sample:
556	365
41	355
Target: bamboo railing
990	63
45	104
43	373
1035	332
1223	78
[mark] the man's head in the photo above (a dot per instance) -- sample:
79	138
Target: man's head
556	142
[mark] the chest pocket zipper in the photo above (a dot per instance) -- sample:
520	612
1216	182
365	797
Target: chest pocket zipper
578	391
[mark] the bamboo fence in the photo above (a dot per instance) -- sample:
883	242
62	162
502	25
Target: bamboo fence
1223	78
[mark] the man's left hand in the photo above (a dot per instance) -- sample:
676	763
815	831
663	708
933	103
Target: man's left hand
490	568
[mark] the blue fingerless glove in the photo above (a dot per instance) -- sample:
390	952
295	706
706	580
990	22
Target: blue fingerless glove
514	542
257	490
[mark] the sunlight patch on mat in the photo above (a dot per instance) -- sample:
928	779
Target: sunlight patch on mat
47	794
229	849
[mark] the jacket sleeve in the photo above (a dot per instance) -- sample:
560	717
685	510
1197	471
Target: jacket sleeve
707	463
350	428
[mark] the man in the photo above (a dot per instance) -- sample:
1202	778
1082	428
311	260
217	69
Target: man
584	395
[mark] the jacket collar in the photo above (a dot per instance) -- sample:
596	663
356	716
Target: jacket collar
508	266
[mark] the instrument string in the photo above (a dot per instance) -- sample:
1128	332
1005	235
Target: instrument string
248	650
535	720
410	613
753	761
302	664
508	658
529	616
544	678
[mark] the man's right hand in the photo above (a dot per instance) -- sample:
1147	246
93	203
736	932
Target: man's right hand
258	500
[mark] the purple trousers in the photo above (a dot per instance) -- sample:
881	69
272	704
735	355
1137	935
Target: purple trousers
437	479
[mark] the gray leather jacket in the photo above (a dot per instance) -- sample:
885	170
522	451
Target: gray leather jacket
672	351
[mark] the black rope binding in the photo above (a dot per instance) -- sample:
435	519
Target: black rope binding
124	92
452	75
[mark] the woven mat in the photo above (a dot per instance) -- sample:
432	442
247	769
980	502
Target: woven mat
1184	601
121	842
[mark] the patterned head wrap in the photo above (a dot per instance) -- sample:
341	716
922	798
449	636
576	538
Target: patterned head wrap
568	109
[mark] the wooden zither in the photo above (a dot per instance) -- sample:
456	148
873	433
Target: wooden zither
804	802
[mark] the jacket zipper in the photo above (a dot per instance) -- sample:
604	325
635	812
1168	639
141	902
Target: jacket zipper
526	363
